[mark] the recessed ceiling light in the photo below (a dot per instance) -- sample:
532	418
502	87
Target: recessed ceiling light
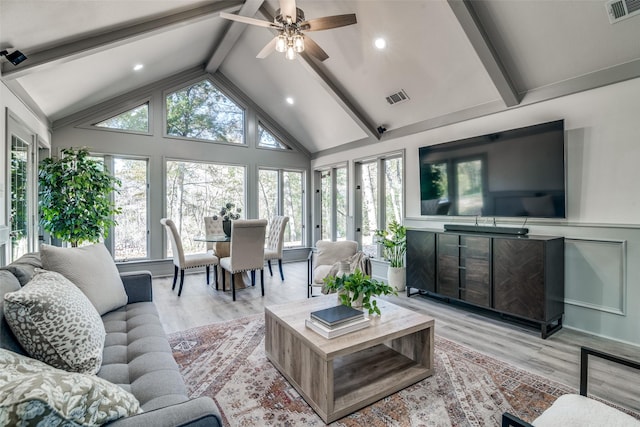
138	67
380	43
289	100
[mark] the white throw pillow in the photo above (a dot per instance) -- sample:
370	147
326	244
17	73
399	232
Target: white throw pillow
33	393
92	269
56	323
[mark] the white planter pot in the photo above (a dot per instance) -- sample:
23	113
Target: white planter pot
396	277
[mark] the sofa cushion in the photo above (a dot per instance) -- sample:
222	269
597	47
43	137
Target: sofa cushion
32	392
329	253
137	357
8	283
24	267
92	269
56	323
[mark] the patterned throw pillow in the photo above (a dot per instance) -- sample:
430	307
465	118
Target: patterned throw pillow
56	323
33	393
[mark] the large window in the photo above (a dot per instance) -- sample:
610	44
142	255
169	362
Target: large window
196	190
281	192
135	120
130	235
201	111
128	239
380	198
333	203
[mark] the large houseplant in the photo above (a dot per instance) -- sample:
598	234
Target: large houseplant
75	197
394	244
357	289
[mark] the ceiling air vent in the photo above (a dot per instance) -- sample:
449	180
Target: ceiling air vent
622	9
401	96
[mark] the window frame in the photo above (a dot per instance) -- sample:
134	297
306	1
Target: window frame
317	173
109	163
243	106
280	198
247	177
123	108
381	219
276	135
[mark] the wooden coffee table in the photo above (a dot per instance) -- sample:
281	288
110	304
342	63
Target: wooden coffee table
341	375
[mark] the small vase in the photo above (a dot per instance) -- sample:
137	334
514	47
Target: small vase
226	226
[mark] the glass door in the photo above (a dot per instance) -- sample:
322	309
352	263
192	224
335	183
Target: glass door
21	212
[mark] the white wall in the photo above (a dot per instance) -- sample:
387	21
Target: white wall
602	288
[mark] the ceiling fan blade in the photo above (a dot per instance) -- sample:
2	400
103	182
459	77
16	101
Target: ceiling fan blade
268	49
247	20
313	49
328	22
288	8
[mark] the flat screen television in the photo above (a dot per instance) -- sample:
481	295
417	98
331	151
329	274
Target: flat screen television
514	173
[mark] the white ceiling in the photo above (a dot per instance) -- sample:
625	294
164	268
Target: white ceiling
435	52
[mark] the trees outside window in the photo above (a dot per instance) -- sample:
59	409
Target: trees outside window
333	203
202	111
198	189
281	192
266	139
136	120
380	198
130	235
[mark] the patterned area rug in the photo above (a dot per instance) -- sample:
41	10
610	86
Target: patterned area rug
226	361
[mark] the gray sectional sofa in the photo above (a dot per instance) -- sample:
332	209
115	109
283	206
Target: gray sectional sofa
136	356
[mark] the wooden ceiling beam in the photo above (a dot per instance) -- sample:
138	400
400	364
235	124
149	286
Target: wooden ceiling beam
471	25
91	44
338	94
231	36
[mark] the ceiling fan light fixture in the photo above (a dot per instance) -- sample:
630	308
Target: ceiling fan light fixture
281	43
298	43
291	53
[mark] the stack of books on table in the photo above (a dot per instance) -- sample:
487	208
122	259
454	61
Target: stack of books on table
335	321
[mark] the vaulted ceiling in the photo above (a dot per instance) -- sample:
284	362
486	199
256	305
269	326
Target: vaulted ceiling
455	59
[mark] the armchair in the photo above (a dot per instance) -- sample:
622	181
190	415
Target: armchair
321	260
579	410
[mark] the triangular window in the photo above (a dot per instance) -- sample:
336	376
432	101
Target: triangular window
201	111
135	120
267	139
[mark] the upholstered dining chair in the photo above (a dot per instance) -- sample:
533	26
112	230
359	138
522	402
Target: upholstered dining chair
246	252
275	242
181	261
213	226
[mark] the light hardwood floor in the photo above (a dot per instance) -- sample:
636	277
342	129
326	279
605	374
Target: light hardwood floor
557	357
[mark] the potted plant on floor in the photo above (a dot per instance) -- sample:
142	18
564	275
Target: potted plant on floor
394	243
357	289
75	197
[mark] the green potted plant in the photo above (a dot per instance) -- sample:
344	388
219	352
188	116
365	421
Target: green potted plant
229	212
75	197
394	244
357	289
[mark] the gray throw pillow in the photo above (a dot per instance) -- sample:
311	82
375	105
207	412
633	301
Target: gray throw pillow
56	323
92	269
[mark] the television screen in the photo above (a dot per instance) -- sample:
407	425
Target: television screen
515	173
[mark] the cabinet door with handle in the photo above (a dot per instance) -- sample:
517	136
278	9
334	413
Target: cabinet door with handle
475	270
448	265
421	260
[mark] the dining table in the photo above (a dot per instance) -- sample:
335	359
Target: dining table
222	249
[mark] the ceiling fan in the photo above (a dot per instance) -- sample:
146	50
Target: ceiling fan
290	23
